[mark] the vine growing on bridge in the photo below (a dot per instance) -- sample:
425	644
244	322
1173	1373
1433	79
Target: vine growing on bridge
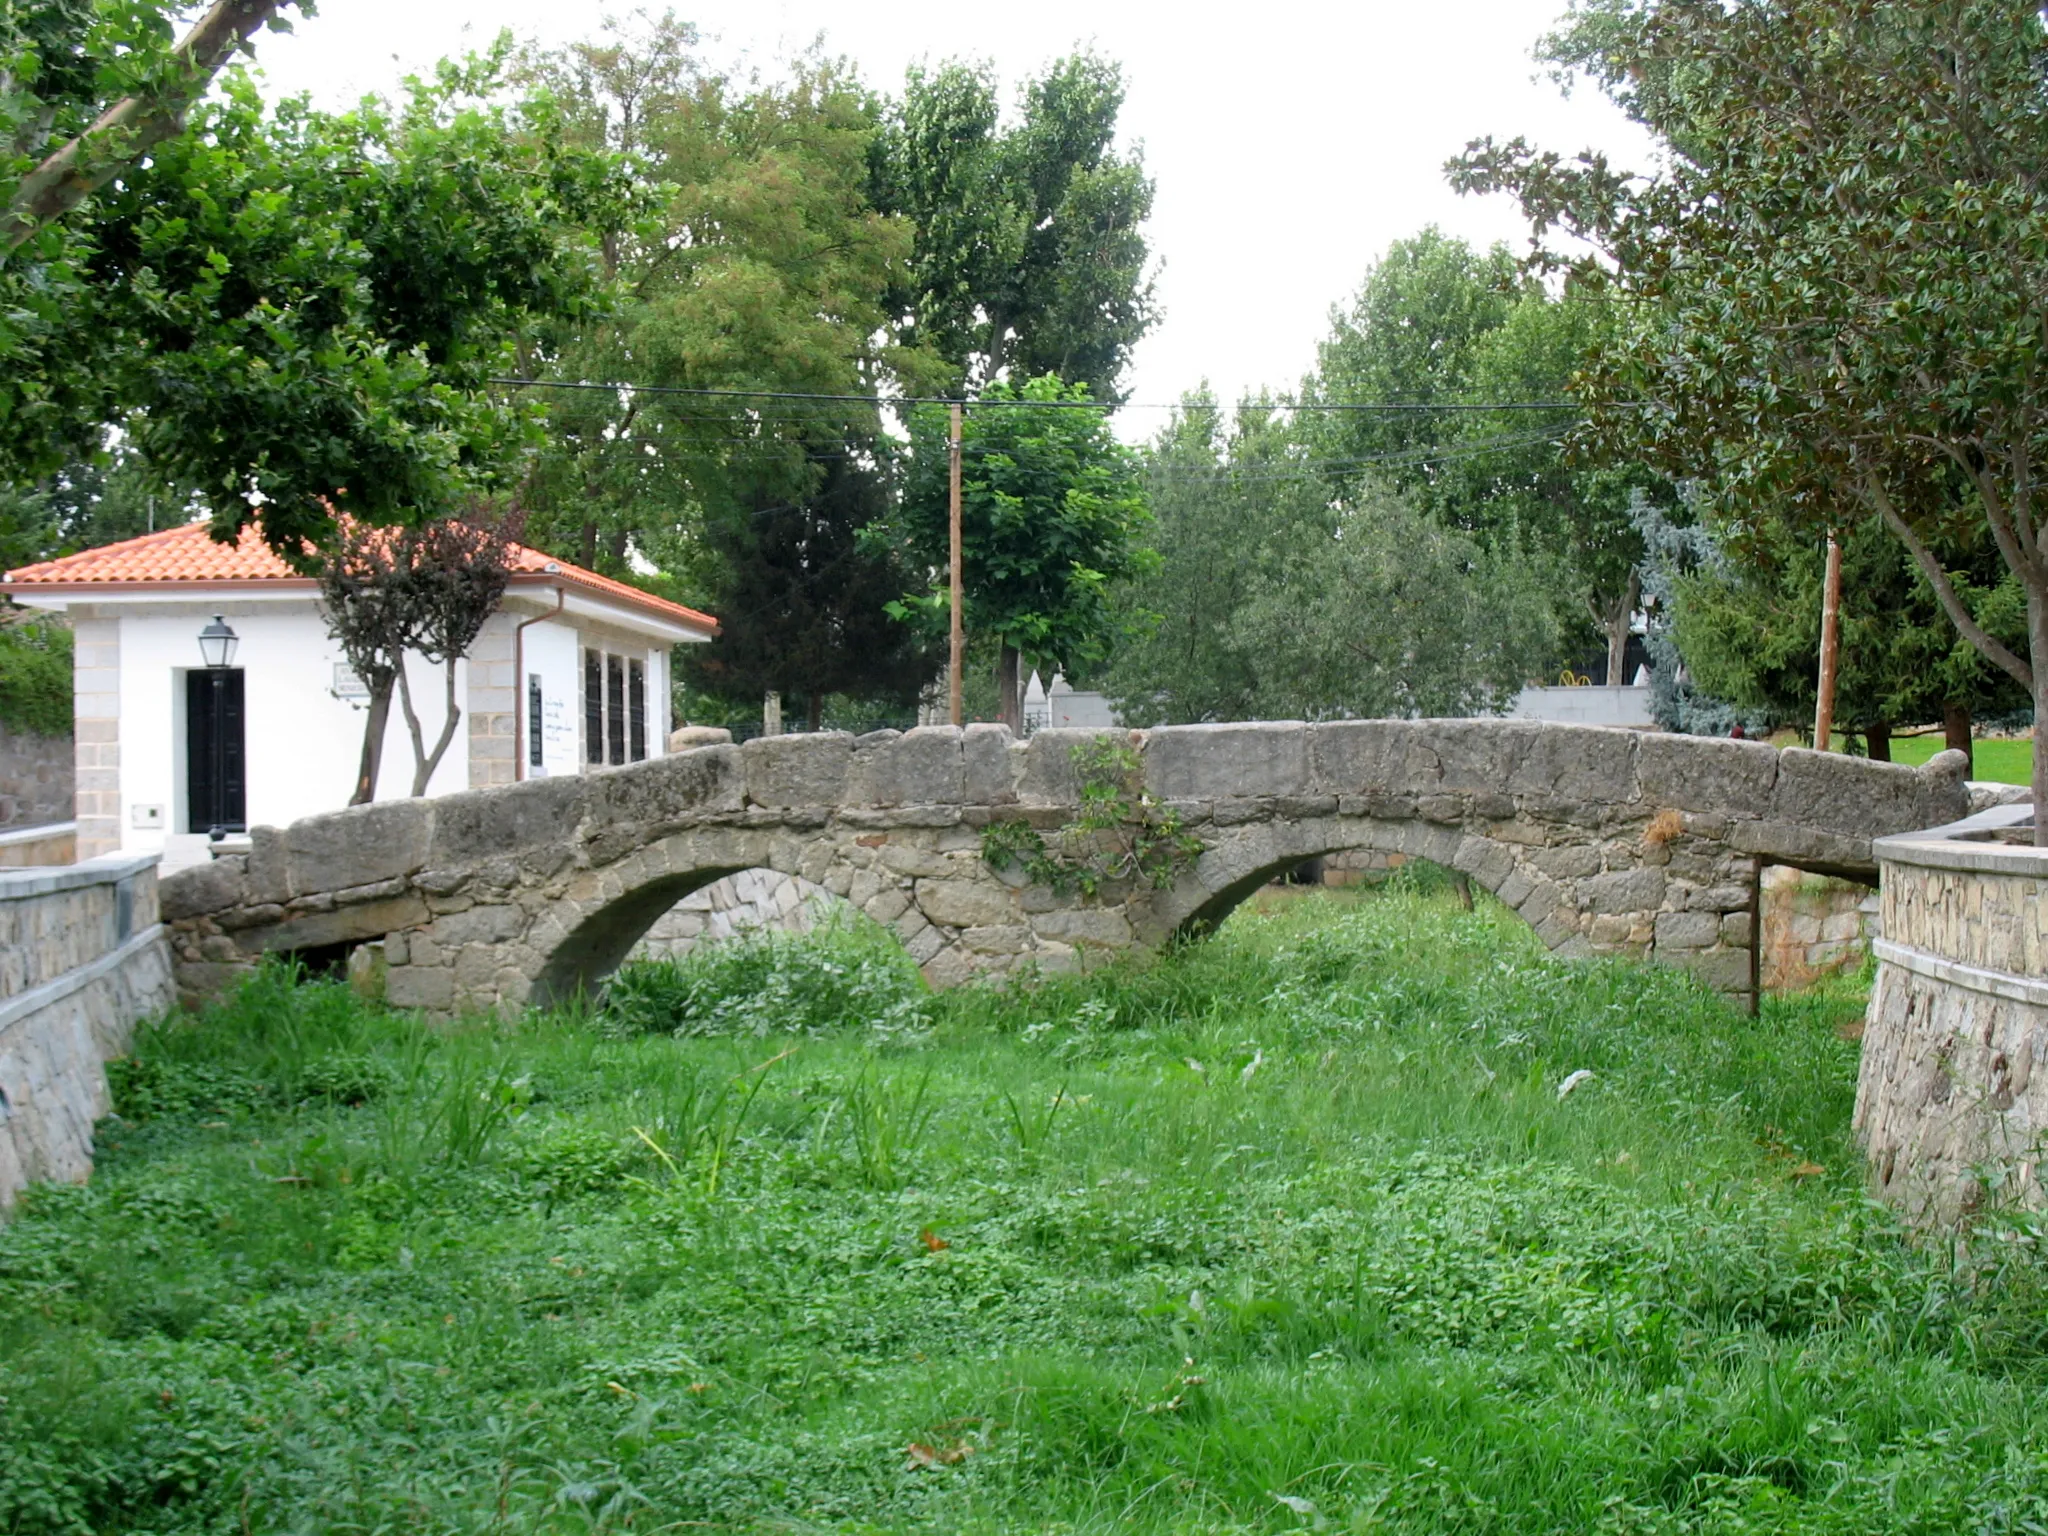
1121	833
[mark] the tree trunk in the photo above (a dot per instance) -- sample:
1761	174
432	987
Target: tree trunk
424	763
1956	727
134	125
1009	695
1878	742
373	743
586	547
814	712
1617	622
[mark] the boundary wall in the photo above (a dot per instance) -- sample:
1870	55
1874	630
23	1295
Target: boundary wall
83	957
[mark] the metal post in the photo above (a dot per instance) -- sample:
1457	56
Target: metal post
218	735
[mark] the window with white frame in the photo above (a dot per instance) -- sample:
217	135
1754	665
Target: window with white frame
614	707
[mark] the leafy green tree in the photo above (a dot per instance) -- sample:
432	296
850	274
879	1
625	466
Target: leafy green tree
1749	630
1443	333
86	92
35	677
1053	514
99	500
314	305
1277	601
1226	496
1838	269
803	611
1030	253
758	264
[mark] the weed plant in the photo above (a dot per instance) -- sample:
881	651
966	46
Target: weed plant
1291	1230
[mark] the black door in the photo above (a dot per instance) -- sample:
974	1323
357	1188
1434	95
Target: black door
214	784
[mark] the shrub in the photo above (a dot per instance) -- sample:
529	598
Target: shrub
854	974
35	678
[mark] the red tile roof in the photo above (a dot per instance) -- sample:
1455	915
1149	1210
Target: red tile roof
188	556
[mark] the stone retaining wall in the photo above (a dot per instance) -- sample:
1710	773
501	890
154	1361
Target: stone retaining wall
1952	1098
37	775
82	959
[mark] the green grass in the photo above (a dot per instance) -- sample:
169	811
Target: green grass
1994	759
1290	1231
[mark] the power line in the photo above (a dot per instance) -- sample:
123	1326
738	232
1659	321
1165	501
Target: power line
876	402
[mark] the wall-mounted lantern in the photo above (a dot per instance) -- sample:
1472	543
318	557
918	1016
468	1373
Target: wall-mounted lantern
217	643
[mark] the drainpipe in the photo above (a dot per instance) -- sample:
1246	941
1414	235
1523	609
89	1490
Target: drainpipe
519	682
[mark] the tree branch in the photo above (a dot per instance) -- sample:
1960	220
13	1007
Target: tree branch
132	126
1944	590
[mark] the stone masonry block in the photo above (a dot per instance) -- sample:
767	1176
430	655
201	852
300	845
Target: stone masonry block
417	986
1854	796
1698	773
985	759
201	888
1369	757
919	767
1216	762
1580	764
1687	930
358	846
1623	890
966	903
803	770
485	823
1048	774
665	790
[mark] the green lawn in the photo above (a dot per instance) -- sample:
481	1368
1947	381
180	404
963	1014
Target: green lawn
1291	1231
1997	760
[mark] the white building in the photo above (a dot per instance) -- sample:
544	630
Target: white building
571	673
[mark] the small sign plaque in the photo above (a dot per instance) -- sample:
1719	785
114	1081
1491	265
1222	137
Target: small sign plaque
347	685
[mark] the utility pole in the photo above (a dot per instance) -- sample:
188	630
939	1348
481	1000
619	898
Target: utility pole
956	640
1830	649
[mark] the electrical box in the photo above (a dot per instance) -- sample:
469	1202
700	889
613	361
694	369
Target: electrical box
149	817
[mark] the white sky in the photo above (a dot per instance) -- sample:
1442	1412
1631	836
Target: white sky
1290	142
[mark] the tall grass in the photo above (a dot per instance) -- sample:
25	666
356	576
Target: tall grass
1288	1231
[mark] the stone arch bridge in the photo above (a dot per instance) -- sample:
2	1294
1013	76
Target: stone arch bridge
1607	841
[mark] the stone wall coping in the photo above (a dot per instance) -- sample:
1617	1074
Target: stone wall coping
36	834
108	869
1955	847
1975	978
22	1004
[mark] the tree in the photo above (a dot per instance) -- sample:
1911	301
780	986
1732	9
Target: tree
312	306
1279	601
98	500
1447	335
804	609
427	588
1748	629
1030	254
1052	515
1838	274
86	91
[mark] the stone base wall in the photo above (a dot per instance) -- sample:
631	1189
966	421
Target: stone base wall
1813	927
1952	1098
82	960
38	775
752	901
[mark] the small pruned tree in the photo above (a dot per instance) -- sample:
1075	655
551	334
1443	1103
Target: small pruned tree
459	571
427	589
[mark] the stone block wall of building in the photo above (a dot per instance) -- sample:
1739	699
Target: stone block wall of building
83	958
38	778
493	696
1952	1098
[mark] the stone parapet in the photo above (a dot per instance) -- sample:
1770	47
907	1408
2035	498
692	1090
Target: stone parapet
1952	1096
82	959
